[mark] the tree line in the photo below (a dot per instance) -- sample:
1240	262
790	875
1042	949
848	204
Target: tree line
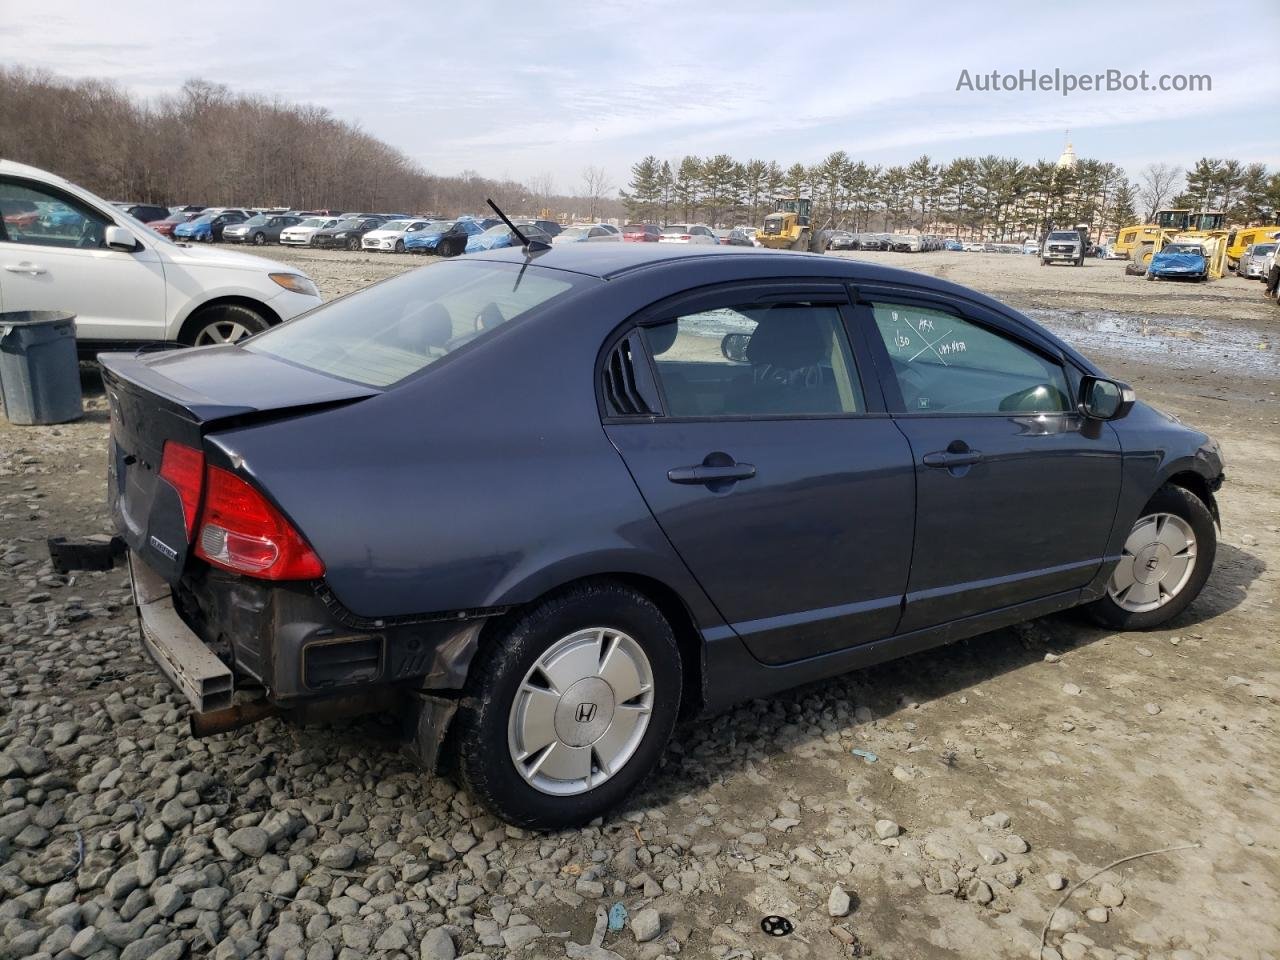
205	144
989	197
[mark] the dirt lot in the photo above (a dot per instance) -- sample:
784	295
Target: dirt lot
1008	764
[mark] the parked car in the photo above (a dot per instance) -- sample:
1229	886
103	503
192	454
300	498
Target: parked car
445	238
592	567
957	246
874	241
906	242
146	212
843	240
739	237
1180	261
1031	247
260	230
550	227
346	233
126	285
165	227
687	233
1253	261
300	234
588	232
391	235
1062	246
641	232
499	236
208	227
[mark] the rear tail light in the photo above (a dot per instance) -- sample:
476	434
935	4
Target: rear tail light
241	531
182	467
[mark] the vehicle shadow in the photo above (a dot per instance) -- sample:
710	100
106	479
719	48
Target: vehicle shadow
888	689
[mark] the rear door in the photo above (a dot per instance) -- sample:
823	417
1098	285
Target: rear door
770	465
1016	492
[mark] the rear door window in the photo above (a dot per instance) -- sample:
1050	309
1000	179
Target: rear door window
764	360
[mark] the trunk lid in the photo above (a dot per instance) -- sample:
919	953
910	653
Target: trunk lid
182	396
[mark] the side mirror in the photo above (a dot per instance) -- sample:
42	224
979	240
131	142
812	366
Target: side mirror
1102	399
734	346
118	238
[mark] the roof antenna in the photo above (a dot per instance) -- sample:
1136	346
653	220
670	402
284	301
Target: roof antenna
529	245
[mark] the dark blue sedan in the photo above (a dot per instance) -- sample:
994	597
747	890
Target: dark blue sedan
543	503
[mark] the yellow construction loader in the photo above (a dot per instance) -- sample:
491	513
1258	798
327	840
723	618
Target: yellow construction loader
789	227
1141	241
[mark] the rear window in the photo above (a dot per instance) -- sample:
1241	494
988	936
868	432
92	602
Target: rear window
396	328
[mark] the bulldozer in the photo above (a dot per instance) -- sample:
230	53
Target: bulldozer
1140	242
789	227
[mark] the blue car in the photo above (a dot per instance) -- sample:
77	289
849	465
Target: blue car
445	238
499	236
208	227
953	245
1180	261
663	478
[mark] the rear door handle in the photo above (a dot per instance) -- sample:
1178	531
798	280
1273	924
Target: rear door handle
28	268
702	473
946	458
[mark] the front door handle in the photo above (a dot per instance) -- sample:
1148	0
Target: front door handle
946	458
30	269
717	470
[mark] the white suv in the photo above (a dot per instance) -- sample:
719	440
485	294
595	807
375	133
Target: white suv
62	248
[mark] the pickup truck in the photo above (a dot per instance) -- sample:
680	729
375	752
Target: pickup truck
1062	246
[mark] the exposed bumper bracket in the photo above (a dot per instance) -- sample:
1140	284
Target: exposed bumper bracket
92	553
189	664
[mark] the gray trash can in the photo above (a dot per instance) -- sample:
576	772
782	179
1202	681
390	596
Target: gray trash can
39	367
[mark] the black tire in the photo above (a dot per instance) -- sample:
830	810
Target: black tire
1080	262
1150	275
353	244
399	248
259	239
480	732
1044	262
217	324
1181	503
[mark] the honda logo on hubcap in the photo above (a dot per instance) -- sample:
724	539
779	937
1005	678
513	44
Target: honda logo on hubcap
585	713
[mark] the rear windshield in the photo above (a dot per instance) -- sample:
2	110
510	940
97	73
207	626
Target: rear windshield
392	330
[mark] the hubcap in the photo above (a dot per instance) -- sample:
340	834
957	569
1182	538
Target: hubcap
222	331
1156	563
581	711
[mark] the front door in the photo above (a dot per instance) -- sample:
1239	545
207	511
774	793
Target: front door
780	481
1016	492
52	257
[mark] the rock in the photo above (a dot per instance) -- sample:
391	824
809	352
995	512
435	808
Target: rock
1052	658
1097	914
979	891
123	882
1056	881
169	899
938	850
520	936
838	904
575	951
1109	895
338	857
887	829
1152	708
437	945
646	925
32	761
990	855
1071	690
997	821
1014	844
393	938
1142	651
87	942
251	841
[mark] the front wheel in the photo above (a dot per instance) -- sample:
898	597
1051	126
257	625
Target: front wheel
259	239
353	244
1164	563
399	246
228	324
569	709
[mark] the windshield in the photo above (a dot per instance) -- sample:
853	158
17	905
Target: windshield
178	217
1263	249
398	327
1184	248
1064	235
573	233
256	221
500	229
396	225
313	222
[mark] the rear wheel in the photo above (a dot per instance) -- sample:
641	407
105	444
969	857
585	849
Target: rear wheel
1142	255
225	324
1164	563
353	243
570	708
259	239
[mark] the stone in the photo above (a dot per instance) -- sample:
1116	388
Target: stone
1055	881
169	899
338	857
646	925
87	942
1152	708
997	821
1014	844
1071	690
251	841
1097	914
887	829
990	855
437	945
838	903
393	938
1109	895
979	891
521	936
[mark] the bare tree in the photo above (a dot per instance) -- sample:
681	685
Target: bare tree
1157	183
542	188
596	187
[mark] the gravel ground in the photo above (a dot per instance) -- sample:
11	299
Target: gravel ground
938	806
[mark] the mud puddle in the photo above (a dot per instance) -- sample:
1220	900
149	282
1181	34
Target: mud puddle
1180	342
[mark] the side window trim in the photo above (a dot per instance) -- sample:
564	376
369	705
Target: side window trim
864	296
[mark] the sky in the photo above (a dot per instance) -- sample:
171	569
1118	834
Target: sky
525	89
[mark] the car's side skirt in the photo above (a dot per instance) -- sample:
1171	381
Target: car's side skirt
734	675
